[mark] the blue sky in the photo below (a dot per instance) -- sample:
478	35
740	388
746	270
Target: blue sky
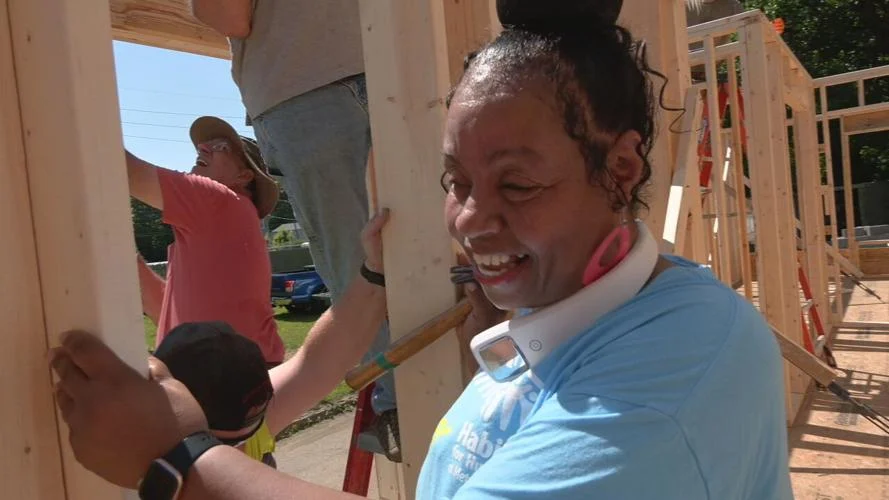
162	91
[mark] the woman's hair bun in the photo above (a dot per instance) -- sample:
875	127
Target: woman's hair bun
557	16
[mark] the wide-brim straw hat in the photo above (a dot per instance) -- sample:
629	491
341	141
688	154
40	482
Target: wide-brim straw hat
207	128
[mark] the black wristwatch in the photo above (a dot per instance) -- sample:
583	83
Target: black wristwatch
373	277
166	475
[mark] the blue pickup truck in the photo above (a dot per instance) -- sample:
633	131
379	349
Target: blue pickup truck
300	291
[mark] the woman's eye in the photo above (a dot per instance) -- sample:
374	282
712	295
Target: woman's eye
519	192
449	183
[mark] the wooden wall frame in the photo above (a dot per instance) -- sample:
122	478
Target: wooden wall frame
772	79
414	47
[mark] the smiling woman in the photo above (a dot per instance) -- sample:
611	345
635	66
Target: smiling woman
621	376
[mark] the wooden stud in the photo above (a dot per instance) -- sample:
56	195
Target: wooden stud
764	112
789	262
720	230
851	241
738	172
468	28
31	458
412	49
662	24
860	86
810	203
830	206
64	70
165	24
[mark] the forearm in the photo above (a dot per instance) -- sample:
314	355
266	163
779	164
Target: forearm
335	344
152	287
230	18
143	181
223	473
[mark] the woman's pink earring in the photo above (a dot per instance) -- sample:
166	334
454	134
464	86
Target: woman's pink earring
595	269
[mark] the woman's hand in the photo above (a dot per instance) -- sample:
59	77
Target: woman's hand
372	241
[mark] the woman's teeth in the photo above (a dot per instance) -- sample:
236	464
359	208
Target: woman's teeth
496	264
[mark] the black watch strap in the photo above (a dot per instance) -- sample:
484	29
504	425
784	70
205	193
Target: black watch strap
373	277
186	453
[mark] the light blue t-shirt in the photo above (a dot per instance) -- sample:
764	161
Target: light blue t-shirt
678	394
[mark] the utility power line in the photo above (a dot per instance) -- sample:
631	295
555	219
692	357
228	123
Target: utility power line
179	113
167	92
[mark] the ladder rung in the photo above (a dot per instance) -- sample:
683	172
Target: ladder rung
706	190
714	216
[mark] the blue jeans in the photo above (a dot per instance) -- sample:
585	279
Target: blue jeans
320	142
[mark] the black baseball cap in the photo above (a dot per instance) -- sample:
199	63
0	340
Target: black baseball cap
225	371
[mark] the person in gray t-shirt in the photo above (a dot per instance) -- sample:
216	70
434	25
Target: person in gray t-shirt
299	66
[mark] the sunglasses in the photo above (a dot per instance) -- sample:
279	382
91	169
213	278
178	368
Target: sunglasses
218	145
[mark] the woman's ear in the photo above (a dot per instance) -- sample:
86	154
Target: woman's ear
624	162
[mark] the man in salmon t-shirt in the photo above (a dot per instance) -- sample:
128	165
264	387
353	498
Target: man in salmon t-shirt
218	266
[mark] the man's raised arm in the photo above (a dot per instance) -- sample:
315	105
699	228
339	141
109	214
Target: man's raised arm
144	185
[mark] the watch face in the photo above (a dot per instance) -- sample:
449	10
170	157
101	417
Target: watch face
161	482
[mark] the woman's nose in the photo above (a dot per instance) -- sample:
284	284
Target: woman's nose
478	217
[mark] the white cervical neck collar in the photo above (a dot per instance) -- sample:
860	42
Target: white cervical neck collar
508	349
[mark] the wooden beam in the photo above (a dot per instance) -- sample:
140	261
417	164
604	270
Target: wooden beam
31	458
166	24
725	26
64	72
410	63
845	264
865	123
662	24
858	110
852	76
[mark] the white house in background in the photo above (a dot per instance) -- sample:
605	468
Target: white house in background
294	228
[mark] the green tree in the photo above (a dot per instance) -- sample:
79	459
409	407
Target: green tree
152	235
283	212
837	36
